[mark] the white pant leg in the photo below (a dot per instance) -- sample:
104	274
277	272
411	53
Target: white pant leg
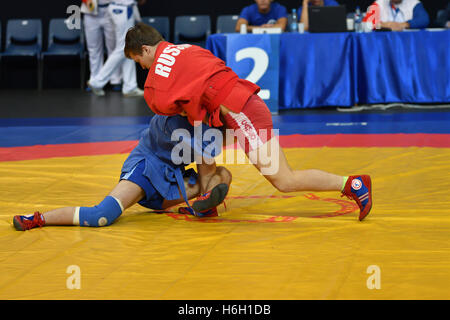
94	43
122	22
110	43
137	14
129	66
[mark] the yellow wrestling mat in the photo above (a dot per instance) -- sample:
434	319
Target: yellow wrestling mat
266	245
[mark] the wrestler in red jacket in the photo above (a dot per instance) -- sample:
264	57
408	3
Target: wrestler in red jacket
191	81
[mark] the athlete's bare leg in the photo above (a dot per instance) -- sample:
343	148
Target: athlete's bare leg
271	161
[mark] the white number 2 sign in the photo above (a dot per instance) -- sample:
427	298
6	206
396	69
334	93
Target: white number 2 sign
261	63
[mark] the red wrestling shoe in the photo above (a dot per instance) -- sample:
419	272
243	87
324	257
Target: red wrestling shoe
208	213
22	223
211	199
359	188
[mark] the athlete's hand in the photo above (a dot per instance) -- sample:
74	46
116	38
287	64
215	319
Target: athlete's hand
395	26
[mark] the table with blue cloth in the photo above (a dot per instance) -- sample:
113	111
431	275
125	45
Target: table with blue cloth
345	69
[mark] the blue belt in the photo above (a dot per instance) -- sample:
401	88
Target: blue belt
123	5
130	9
103	5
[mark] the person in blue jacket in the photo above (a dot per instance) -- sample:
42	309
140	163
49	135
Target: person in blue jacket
398	15
263	14
154	176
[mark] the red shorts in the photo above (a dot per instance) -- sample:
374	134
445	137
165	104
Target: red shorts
253	125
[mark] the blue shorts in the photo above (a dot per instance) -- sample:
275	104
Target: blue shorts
153	199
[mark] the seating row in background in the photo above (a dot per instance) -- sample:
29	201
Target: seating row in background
24	42
23	48
66	47
192	29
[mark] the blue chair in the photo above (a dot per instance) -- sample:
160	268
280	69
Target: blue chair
162	24
441	18
23	38
65	43
23	42
226	23
192	29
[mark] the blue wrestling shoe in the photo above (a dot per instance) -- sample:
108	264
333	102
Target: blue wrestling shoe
211	199
208	213
359	188
22	223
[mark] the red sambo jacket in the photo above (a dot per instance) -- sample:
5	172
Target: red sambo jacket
191	79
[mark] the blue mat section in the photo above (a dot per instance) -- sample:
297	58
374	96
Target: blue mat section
28	132
92	121
358	123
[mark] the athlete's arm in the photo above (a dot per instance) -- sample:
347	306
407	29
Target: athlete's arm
205	174
242	21
281	23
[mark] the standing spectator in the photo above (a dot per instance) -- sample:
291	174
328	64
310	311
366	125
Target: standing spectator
398	15
263	14
99	31
303	10
122	13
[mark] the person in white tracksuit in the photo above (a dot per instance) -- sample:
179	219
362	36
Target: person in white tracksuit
122	13
99	32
